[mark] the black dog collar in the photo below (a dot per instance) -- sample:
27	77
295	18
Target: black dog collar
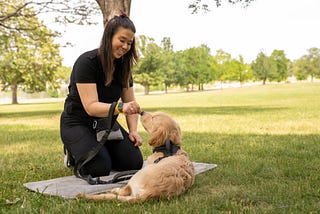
168	149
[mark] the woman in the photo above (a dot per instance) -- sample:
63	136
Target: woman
99	78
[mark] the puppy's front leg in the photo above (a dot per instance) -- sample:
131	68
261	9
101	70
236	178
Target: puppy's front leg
124	191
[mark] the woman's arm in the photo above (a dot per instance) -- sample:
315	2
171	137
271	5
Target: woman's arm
89	98
132	119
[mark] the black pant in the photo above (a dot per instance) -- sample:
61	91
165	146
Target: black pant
114	155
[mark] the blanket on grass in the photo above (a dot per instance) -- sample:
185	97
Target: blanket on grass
71	186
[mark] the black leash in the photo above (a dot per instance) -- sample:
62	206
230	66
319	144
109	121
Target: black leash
117	177
121	176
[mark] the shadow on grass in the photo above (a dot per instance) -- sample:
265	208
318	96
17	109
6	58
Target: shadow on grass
199	145
30	109
12	134
248	164
221	110
35	113
216	145
202	147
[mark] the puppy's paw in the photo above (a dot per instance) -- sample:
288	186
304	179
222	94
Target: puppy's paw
116	190
81	195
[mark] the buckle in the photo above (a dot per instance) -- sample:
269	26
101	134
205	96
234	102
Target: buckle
94	124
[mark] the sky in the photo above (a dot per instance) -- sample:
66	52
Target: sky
265	25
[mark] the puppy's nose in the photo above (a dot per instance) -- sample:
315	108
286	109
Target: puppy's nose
142	113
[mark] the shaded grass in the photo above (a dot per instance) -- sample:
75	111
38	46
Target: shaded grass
265	141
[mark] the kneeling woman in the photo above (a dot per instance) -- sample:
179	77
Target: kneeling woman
99	78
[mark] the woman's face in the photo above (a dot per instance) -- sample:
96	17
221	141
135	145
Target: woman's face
121	42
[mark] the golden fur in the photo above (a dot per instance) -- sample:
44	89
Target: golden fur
171	176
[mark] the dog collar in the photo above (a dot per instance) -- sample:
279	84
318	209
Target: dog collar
168	149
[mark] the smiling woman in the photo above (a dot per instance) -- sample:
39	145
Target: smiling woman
99	79
122	42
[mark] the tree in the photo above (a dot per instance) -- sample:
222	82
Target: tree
29	60
69	11
190	74
109	8
28	55
167	69
262	67
16	17
194	67
240	71
62	77
79	11
147	69
308	65
281	62
63	74
180	68
222	61
273	68
302	68
197	5
203	68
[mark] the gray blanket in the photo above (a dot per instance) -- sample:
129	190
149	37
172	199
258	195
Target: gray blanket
71	186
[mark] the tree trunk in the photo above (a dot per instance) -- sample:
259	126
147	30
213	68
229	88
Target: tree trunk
166	88
110	8
14	89
188	87
146	89
264	81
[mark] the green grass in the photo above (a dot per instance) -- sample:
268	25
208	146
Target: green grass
265	140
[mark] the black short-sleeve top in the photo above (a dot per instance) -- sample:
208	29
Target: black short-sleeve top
88	69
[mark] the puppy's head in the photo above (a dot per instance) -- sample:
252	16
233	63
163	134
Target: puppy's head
161	127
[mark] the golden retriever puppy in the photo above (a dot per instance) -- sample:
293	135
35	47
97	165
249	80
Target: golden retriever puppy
168	171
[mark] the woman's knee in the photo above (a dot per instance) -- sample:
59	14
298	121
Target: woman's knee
100	165
133	161
139	162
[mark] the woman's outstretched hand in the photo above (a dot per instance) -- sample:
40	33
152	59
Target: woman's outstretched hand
131	108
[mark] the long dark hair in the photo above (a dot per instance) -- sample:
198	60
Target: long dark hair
123	65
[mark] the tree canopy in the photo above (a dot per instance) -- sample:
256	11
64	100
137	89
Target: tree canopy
162	67
197	5
308	65
29	58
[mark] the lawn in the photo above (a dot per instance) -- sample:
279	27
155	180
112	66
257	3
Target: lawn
265	140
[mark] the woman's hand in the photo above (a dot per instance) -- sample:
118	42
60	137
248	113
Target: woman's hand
131	108
135	138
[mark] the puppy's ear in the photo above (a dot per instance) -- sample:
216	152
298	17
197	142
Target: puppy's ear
158	137
175	136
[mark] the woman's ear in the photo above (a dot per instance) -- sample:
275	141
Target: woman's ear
158	137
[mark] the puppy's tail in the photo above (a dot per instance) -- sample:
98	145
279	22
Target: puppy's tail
110	196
